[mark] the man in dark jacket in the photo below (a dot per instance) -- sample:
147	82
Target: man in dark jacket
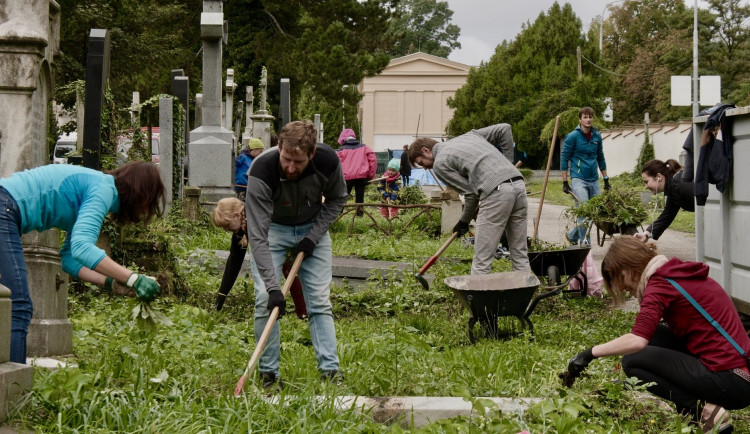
285	211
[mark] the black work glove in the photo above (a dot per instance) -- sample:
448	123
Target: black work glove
305	246
577	364
566	187
461	228
276	299
607	187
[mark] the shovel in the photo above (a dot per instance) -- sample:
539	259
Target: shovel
431	261
269	326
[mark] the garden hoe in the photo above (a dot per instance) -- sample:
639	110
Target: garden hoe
420	274
269	326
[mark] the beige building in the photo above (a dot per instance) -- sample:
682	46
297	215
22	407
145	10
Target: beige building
412	91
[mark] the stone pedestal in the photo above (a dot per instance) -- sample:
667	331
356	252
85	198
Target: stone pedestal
262	127
451	209
15	379
191	204
50	331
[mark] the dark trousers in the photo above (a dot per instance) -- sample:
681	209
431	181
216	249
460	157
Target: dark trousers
405	179
681	378
359	190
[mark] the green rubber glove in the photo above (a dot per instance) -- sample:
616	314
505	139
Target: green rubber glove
145	288
108	284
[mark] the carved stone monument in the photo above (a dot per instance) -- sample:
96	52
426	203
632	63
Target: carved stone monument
29	41
210	147
262	121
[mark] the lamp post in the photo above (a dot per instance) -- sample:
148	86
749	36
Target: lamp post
601	21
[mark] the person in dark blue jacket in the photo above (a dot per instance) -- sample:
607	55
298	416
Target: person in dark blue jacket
583	150
242	165
75	199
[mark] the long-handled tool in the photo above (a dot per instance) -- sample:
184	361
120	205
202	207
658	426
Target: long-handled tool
546	177
269	326
420	274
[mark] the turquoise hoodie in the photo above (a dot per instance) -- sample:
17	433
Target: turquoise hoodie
72	198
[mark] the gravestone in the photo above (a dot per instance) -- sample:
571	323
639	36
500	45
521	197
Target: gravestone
229	87
97	73
135	110
165	150
262	121
248	133
210	146
286	110
29	42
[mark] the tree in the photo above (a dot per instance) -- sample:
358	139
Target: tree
646	43
319	46
424	25
728	48
148	38
529	81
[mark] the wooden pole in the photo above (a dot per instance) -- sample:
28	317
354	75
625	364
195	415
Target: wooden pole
546	176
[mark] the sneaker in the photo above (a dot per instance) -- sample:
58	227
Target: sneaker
717	418
269	379
333	376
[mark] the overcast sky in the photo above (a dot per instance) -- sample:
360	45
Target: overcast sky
486	23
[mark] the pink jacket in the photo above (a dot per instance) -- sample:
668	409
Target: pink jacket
358	161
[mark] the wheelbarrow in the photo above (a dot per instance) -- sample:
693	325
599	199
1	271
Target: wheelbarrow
553	265
491	296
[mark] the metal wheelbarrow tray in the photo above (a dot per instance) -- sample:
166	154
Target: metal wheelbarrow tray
490	296
553	265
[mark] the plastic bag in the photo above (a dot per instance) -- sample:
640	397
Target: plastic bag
594	277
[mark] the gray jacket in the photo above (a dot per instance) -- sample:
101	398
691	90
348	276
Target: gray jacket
471	165
272	198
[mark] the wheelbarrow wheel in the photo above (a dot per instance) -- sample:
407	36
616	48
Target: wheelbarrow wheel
472	322
553	275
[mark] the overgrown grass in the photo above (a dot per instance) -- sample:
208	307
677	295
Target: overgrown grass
394	338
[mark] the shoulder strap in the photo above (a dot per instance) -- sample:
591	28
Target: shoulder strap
707	316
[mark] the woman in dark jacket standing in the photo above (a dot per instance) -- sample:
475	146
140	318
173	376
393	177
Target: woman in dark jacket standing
658	177
405	168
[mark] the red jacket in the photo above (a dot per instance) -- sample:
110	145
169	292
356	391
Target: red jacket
358	161
662	300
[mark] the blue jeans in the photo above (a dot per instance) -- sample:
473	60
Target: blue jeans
13	275
315	275
584	190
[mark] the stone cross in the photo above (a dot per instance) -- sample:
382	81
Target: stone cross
210	147
97	73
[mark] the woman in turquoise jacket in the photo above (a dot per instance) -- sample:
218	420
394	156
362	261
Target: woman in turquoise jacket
74	199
